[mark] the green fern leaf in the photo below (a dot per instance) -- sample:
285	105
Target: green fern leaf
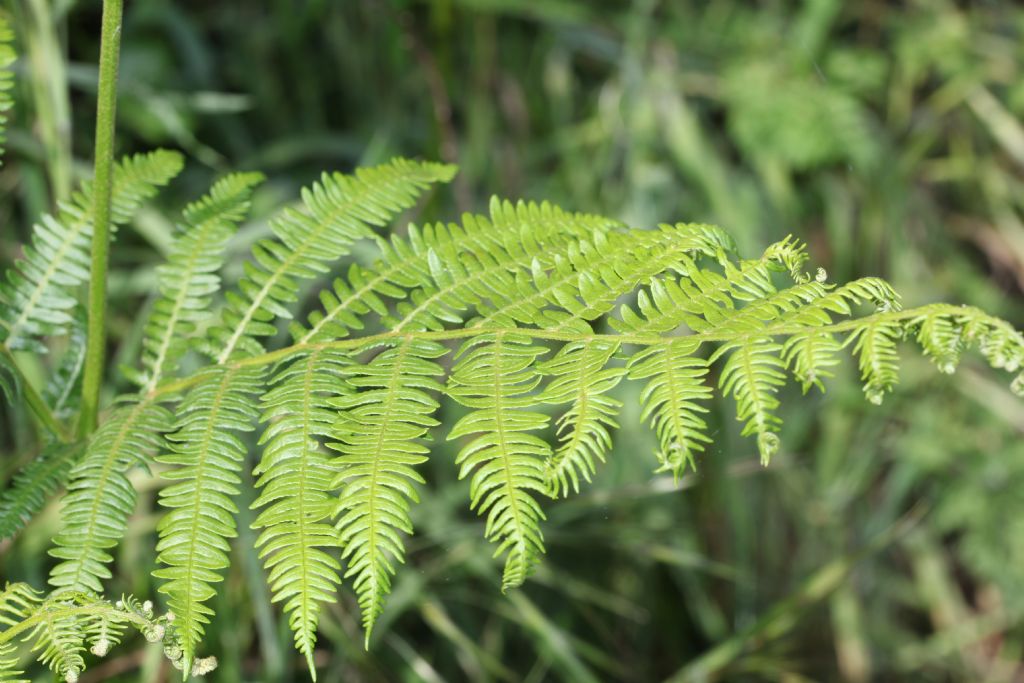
100	498
296	478
496	377
378	436
579	377
337	211
34	484
17	602
514	235
875	345
753	372
670	400
189	277
39	293
586	279
206	458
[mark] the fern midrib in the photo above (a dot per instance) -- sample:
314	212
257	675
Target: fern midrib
393	384
190	618
674	393
107	471
755	388
638	339
307	412
562	455
73	231
499	424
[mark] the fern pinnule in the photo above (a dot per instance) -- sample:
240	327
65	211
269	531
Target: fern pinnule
378	438
752	374
672	399
875	345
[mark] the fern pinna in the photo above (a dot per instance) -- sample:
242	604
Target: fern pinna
516	315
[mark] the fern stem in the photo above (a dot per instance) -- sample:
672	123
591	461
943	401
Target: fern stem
35	401
106	106
557	335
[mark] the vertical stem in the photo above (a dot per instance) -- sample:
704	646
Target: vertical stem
92	376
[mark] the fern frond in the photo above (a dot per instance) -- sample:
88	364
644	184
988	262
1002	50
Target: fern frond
34	484
585	281
296	481
496	377
670	400
39	292
811	354
875	345
579	377
59	645
336	212
100	498
7	57
206	458
378	434
753	373
514	234
701	299
61	626
189	278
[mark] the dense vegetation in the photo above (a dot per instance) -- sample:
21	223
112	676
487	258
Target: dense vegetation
880	541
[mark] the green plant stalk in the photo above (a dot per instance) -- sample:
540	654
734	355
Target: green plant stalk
106	105
35	402
50	88
171	388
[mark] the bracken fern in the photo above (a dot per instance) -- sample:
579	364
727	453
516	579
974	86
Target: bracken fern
529	317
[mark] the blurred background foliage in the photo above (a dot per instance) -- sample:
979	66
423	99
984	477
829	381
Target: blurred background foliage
883	543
